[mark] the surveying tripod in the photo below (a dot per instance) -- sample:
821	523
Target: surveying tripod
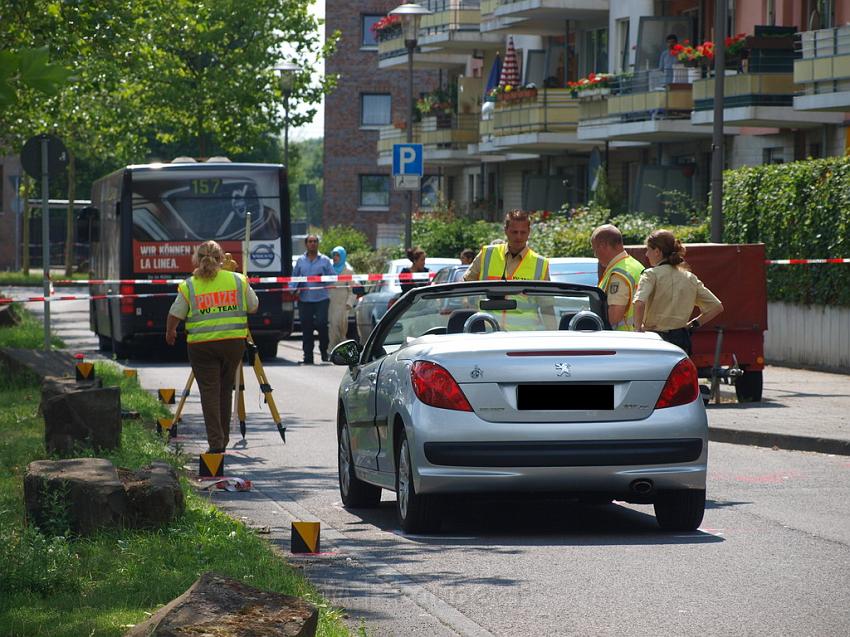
252	357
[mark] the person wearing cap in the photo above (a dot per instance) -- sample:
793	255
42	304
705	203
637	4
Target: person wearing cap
215	303
342	299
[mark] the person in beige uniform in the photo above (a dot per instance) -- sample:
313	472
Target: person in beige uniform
215	304
668	292
342	299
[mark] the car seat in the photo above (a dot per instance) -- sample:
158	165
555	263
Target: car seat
456	320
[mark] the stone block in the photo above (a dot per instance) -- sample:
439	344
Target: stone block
216	605
86	493
90	418
154	495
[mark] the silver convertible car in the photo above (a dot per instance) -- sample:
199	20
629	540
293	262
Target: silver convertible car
517	386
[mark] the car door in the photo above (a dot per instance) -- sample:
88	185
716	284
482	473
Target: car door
365	445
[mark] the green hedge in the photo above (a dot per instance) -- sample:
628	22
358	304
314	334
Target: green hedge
798	210
552	234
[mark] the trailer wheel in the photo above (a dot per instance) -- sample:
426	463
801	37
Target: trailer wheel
748	388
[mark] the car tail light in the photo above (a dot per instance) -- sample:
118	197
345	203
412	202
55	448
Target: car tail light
287	297
682	386
128	306
434	386
392	301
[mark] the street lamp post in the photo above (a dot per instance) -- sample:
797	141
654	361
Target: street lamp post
287	72
411	15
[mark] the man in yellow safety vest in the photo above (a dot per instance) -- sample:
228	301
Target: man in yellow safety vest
513	261
621	276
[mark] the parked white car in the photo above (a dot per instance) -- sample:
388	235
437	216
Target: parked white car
374	304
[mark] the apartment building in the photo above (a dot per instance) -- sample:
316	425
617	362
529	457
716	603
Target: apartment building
540	145
357	189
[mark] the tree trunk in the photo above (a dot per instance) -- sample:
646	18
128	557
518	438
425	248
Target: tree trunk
69	221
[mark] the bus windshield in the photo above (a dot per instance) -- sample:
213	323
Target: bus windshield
175	207
205	204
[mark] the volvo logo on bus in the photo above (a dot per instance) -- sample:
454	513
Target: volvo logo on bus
263	254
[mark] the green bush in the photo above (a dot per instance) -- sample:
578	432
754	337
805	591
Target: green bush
798	210
349	238
442	234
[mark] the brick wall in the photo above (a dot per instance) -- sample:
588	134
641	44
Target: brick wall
348	150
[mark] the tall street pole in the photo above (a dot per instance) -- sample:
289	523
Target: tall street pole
717	146
286	129
408	220
45	236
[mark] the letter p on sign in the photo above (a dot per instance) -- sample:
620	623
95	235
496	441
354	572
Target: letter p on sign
407	159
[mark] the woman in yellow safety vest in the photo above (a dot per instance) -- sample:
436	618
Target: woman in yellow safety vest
215	304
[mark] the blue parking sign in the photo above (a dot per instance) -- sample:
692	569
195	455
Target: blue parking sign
407	159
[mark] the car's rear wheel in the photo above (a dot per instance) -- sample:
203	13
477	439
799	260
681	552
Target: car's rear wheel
680	510
416	513
355	493
748	388
267	349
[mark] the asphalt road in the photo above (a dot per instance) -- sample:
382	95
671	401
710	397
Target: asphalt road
771	557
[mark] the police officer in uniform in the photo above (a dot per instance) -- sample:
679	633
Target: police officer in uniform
215	304
511	260
668	292
620	278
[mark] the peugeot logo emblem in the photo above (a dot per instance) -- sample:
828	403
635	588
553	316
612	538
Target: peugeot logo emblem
562	369
476	372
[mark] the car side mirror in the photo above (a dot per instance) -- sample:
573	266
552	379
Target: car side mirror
346	353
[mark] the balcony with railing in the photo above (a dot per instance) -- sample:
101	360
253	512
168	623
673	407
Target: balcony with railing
445	139
534	121
759	86
822	75
542	17
455	26
647	106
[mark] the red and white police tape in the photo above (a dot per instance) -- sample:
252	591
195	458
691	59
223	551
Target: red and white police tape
326	278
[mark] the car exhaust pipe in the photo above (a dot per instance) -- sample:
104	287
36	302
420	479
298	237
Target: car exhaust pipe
642	487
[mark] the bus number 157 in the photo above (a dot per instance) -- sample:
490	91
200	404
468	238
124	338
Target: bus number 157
205	186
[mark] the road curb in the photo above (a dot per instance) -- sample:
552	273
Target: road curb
781	441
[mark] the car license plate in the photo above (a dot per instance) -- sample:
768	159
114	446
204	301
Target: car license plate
563	397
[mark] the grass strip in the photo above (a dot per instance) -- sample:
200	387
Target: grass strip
35	278
28	334
54	584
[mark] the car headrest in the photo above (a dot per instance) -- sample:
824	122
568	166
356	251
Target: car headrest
564	323
456	320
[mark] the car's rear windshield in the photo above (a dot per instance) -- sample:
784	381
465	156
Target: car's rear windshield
449	313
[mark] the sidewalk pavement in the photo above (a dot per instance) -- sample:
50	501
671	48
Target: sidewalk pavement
801	410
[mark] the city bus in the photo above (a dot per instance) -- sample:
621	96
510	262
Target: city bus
144	223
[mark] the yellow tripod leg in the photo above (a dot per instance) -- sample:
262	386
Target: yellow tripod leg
240	388
182	402
266	388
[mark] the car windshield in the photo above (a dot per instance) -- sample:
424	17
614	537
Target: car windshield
450	311
394	286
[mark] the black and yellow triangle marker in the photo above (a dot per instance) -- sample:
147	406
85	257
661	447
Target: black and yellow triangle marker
166	395
131	373
166	424
85	371
212	465
305	537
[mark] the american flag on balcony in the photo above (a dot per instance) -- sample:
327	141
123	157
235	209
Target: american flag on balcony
510	68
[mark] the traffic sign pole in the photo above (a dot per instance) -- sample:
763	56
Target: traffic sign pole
45	235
